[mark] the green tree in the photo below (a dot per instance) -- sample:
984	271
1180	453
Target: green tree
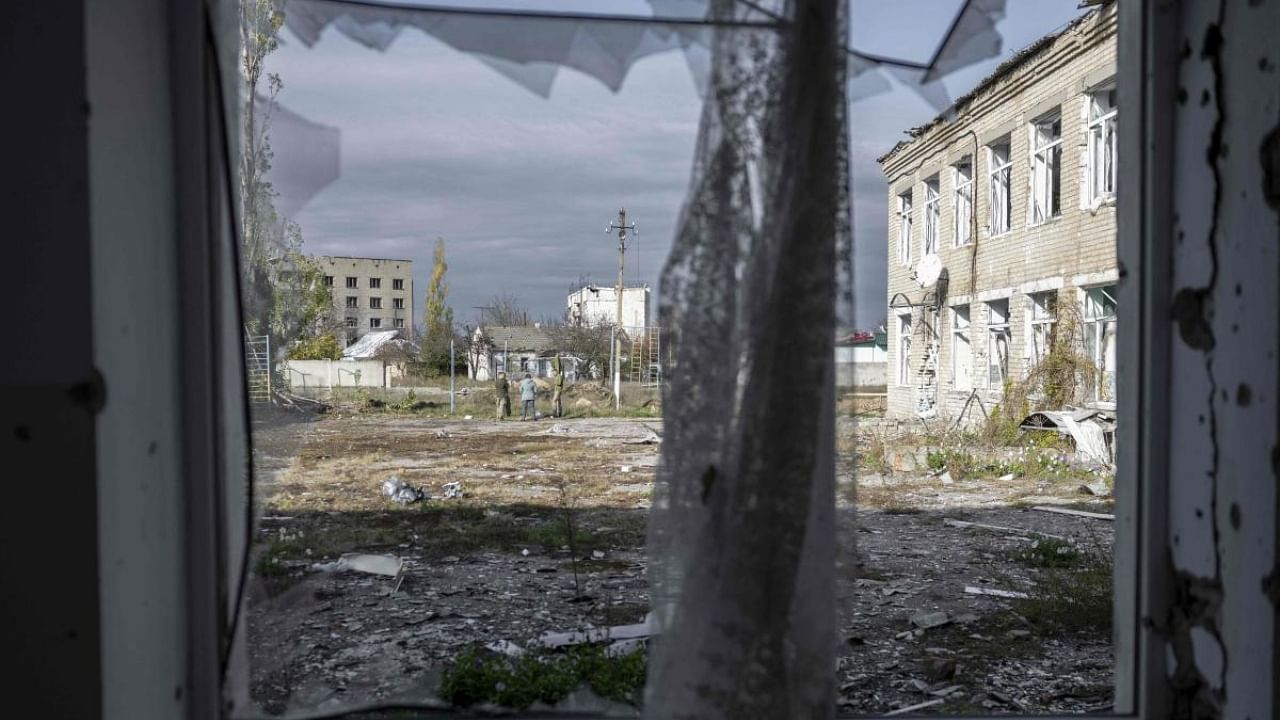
437	316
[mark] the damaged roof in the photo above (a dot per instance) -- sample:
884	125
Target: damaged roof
379	344
520	337
1004	69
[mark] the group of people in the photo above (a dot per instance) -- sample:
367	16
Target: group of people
529	393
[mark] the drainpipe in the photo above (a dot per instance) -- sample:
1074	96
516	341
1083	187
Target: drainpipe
973	218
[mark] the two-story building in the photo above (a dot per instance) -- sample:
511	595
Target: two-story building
1002	229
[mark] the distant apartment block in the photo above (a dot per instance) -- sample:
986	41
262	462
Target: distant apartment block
1002	229
369	294
592	305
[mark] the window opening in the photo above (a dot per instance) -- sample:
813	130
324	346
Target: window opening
932	215
904	228
397	284
961	350
1001	174
328	281
353	302
1100	340
375	303
904	349
1102	145
375	322
353	282
1043	316
1046	168
375	283
964	202
997	343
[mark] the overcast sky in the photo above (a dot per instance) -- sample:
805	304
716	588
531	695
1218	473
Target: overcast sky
434	143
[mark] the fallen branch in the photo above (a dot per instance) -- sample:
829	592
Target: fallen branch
1014	594
1077	513
917	706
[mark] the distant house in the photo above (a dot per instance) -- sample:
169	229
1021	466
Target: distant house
374	360
861	359
517	349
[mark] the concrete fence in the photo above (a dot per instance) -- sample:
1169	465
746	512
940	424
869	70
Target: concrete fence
312	374
866	376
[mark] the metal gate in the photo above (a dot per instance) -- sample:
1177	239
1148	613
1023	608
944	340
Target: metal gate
257	365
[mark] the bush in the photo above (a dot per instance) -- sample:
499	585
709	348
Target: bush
320	347
478	675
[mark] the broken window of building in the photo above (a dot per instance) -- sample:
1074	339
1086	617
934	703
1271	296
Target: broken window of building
904	349
904	228
1046	168
964	202
353	302
932	215
400	322
398	303
397	284
1102	145
351	322
375	283
352	282
1100	340
997	342
375	303
328	281
1001	173
961	348
375	322
1042	316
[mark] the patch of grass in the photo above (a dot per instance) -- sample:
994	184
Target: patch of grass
555	534
1050	553
1073	598
478	676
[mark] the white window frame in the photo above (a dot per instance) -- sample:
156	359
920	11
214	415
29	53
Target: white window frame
1046	169
998	331
397	303
352	302
375	283
1101	154
375	323
399	322
963	173
1099	335
375	303
1000	187
353	282
932	214
903	374
397	283
961	348
1042	315
352	322
904	228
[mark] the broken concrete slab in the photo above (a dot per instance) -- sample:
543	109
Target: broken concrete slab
388	565
995	592
1077	513
928	620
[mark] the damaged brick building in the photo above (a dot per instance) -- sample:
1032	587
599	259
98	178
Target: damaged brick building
1002	231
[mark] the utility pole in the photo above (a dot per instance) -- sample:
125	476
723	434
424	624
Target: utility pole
622	228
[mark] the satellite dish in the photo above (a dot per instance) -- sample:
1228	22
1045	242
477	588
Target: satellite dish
929	270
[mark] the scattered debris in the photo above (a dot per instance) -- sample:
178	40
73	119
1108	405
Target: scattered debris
1006	477
451	490
623	648
972	590
388	565
1089	429
917	706
442	434
638	631
625	469
1098	489
946	478
597	554
505	647
402	492
926	621
938	669
950	522
1077	513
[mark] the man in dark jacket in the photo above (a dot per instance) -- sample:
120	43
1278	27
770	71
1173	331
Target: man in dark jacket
504	397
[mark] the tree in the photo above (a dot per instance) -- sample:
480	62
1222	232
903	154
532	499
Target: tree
475	342
504	311
589	344
438	316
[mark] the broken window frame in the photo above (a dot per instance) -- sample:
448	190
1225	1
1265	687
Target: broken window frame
375	323
904	228
1046	168
1000	194
932	215
328	281
998	341
353	302
1101	155
1042	318
375	303
397	303
397	283
1099	319
352	322
399	323
375	283
904	349
961	339
353	282
963	172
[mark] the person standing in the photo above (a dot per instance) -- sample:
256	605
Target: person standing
504	396
528	391
557	387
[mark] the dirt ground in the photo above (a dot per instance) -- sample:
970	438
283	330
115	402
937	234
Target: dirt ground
549	535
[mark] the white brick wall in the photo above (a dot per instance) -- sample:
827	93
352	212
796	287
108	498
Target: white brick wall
1076	247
